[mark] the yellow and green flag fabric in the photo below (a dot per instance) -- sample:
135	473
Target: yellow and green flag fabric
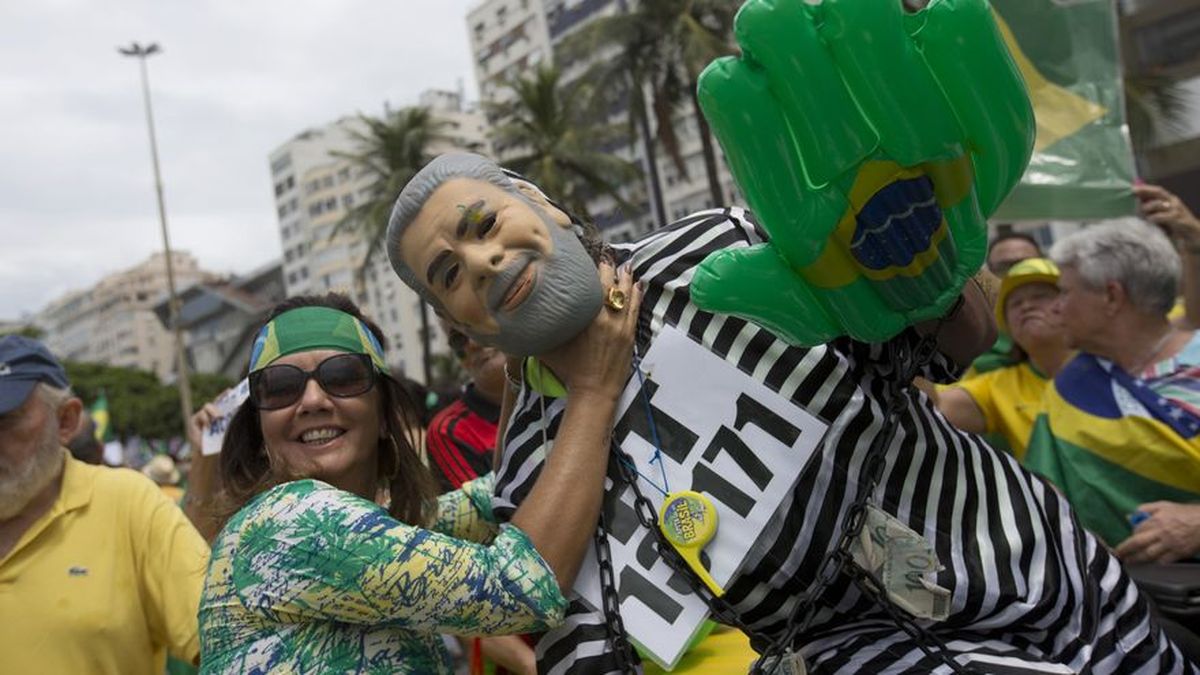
99	413
1112	442
1082	165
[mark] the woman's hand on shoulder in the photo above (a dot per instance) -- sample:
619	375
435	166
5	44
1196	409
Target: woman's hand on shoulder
597	360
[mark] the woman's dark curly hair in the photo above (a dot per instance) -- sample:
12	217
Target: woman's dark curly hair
247	470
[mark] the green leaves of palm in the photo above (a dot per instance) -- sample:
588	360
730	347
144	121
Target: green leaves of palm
565	142
663	45
390	151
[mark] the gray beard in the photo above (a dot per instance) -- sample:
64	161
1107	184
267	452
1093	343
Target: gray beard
565	298
19	486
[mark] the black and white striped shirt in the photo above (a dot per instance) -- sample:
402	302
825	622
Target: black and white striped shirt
1031	590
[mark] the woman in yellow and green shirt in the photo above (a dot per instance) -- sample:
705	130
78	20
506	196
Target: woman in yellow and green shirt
1006	401
312	574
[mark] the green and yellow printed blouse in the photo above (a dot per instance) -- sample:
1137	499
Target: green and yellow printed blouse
308	578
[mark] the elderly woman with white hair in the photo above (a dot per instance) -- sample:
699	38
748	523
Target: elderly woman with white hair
1121	430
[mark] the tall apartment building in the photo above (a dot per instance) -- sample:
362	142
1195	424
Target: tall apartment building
510	38
113	322
315	188
1161	38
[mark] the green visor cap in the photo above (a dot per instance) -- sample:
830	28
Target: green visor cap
309	328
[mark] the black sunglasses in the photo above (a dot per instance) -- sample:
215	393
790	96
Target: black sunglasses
341	375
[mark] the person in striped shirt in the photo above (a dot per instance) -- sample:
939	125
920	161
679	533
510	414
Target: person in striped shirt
1029	591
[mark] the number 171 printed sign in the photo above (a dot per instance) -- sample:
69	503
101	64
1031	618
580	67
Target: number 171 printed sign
722	434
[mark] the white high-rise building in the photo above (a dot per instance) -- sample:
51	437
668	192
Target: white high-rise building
316	186
113	322
510	37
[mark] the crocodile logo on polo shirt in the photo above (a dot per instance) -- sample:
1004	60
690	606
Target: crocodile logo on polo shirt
78	571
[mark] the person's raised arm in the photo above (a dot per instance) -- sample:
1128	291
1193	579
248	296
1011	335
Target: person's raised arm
1164	209
200	500
560	513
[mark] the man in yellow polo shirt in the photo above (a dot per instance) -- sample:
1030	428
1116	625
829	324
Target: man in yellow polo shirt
1007	400
99	571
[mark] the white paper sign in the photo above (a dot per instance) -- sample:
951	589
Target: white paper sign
722	434
226	404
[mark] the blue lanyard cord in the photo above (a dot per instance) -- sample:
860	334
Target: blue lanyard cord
657	458
629	463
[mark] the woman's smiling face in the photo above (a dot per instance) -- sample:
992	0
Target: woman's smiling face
322	436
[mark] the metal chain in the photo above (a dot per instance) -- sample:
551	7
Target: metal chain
621	648
838	561
841	560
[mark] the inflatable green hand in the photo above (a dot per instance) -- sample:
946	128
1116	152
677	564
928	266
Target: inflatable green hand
872	144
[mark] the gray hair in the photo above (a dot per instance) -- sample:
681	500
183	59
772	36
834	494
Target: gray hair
53	396
418	191
1136	255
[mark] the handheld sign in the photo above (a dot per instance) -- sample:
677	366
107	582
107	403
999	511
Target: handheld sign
226	404
689	521
722	435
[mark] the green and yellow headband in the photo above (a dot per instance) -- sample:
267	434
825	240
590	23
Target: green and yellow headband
307	328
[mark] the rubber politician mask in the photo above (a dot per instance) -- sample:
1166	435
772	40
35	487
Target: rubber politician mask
503	265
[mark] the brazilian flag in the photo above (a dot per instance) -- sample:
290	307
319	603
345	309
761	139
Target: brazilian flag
1112	442
1082	165
99	413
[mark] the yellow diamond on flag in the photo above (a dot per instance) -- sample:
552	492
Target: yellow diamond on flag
1059	112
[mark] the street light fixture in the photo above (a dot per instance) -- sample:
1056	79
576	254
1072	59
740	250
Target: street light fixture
185	388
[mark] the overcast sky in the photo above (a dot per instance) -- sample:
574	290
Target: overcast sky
236	79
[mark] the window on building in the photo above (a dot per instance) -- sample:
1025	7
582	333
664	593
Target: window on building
348	201
280	164
312	186
290	183
314	210
327	181
303	272
331	204
343	174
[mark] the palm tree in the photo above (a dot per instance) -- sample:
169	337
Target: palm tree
1156	107
663	45
563	140
390	151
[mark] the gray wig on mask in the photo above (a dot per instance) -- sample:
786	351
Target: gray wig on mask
418	191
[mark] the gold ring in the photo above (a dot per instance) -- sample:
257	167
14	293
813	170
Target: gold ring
615	299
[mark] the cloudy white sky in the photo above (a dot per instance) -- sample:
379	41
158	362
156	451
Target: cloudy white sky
237	78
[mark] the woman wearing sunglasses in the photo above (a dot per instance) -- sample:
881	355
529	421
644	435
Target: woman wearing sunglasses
312	574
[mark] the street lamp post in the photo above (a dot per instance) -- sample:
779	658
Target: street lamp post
185	388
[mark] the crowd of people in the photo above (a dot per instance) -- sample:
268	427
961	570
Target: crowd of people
341	530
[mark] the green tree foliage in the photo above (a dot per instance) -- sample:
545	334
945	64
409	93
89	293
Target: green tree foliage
390	151
29	331
563	140
1156	107
138	404
661	48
